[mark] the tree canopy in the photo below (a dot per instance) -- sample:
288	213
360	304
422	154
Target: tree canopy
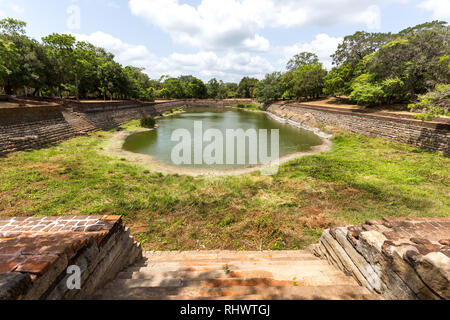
369	68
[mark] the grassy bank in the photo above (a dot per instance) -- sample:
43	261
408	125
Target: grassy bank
360	179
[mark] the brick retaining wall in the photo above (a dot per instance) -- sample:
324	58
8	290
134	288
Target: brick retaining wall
427	135
35	253
26	128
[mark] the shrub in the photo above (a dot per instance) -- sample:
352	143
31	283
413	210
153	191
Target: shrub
365	93
249	106
148	122
433	104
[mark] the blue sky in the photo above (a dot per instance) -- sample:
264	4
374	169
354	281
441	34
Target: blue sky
226	39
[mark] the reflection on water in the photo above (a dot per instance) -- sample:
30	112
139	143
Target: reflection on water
158	143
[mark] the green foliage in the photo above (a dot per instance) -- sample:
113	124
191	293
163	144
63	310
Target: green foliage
213	88
433	104
196	89
417	58
12	26
338	81
148	122
269	89
247	87
393	90
174	88
365	92
410	63
302	59
220	90
355	47
247	106
399	67
308	81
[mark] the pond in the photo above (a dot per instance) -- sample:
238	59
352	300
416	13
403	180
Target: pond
188	136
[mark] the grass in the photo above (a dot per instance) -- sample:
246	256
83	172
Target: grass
360	179
247	106
173	111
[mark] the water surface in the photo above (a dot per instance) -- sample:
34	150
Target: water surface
158	143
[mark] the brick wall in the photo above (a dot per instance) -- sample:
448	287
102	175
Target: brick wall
26	128
19	115
427	135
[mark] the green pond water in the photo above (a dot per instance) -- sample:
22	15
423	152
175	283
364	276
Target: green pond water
159	145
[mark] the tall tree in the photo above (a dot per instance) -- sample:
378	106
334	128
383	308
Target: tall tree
302	59
355	47
246	87
213	88
60	48
269	88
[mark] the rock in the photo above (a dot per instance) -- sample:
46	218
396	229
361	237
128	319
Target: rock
434	269
400	258
365	273
13	285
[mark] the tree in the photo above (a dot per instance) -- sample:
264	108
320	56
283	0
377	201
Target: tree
174	88
287	84
338	80
270	88
419	60
12	26
26	55
308	81
366	92
9	63
355	47
231	89
213	88
138	84
196	89
246	87
302	59
112	78
60	49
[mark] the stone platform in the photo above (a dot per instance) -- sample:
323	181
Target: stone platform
35	253
400	258
233	275
391	258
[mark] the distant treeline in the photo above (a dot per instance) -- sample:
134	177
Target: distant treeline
369	68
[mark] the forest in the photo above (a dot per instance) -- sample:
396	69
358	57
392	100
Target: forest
411	67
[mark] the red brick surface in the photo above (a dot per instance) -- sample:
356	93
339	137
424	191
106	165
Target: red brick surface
33	244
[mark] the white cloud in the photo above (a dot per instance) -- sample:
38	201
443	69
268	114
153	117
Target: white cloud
440	8
234	24
123	51
204	64
323	45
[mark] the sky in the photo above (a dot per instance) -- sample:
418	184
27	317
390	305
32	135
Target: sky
223	39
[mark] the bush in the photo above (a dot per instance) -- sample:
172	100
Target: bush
148	122
433	104
249	106
365	93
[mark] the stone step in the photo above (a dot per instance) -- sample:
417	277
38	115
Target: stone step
216	279
203	261
224	254
276	271
230	274
334	292
171	269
